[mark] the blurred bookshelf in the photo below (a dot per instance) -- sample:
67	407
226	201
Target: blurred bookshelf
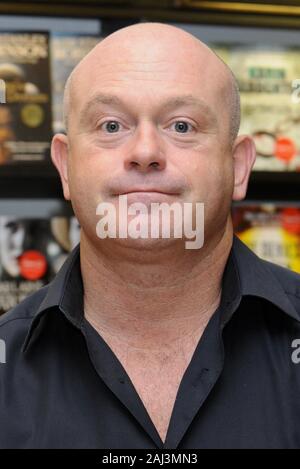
260	41
230	26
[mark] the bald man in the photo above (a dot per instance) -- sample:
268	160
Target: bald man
139	341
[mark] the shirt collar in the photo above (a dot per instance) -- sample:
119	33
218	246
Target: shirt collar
65	293
257	278
245	274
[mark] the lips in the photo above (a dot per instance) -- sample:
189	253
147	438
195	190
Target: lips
166	186
147	191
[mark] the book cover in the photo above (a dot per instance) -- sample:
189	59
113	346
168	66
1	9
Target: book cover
25	116
66	52
272	231
32	250
270	104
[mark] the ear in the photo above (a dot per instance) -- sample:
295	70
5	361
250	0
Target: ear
59	156
244	155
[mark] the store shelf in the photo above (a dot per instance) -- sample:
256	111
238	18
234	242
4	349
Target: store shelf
29	180
267	185
274	14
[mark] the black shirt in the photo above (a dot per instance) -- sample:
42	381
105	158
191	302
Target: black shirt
63	387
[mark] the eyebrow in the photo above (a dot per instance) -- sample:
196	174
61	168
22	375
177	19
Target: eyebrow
168	104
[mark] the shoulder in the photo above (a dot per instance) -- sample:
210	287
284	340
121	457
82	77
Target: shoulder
289	281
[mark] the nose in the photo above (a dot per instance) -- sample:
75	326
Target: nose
146	152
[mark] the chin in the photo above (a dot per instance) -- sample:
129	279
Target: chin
148	244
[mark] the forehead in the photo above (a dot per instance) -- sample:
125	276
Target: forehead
149	72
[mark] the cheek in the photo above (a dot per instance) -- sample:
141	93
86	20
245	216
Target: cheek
205	176
84	202
86	172
84	186
211	177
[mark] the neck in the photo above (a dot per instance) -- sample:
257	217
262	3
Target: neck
147	300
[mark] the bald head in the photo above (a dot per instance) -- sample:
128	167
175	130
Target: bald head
154	40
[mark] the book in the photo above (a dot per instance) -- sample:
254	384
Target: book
272	231
67	50
25	114
269	85
32	250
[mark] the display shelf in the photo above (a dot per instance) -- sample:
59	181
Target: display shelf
265	185
266	14
29	180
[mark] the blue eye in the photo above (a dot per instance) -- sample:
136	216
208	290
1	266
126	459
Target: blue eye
182	126
112	126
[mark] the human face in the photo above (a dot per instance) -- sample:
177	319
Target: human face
153	119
